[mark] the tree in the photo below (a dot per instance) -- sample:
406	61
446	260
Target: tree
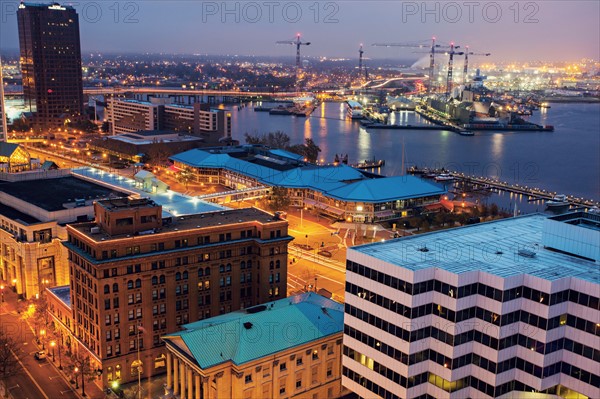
9	364
158	154
279	199
442	218
311	151
494	210
185	176
20	125
81	368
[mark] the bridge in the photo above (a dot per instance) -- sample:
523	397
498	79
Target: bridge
175	91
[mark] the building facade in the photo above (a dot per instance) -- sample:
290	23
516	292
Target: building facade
32	226
160	113
503	309
50	61
136	276
337	191
290	348
3	124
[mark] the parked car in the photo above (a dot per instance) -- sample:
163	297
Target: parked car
40	355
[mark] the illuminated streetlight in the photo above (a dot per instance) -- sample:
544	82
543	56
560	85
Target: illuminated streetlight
53	344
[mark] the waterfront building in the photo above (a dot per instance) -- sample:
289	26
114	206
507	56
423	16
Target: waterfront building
3	125
502	309
338	190
32	226
50	63
160	113
289	348
140	146
137	273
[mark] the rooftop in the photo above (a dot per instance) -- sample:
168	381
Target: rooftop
173	203
52	194
63	293
153	136
504	248
17	215
193	222
282	169
260	331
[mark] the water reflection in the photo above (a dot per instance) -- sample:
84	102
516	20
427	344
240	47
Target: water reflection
497	145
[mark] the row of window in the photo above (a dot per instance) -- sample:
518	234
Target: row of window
474	288
473	312
432	331
517	339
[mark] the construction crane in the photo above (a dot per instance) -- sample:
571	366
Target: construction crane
297	43
466	67
451	53
418	45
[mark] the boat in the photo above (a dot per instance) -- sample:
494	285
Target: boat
558	201
444	177
354	110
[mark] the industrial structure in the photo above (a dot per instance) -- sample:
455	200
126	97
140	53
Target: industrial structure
298	43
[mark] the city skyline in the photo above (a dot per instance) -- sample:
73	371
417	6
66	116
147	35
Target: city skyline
527	30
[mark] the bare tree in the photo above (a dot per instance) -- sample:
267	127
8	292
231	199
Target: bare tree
9	364
81	369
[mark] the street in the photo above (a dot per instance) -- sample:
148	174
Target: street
34	379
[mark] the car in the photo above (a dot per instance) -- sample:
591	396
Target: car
280	215
40	355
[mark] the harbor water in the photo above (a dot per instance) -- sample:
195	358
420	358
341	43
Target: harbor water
564	161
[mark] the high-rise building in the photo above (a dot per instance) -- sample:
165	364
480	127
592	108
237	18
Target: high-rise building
495	310
136	275
3	127
50	63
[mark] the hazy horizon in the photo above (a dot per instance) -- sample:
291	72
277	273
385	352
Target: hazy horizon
519	32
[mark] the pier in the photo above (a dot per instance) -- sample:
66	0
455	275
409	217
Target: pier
533	194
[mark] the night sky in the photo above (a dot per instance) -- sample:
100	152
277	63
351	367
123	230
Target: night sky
524	31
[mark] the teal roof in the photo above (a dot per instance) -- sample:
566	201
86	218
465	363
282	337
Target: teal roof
341	181
7	149
281	325
492	247
287	154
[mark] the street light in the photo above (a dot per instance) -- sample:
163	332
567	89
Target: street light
76	370
2	293
53	344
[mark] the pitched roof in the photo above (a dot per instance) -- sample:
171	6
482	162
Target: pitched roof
7	149
259	331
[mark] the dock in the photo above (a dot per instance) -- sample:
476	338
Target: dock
369	164
447	125
484	183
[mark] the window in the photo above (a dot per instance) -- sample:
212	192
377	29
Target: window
138	283
177	276
298	382
248	378
107	320
299	361
185	273
282	386
282	366
154	280
129	284
106	289
315	355
115	287
329	369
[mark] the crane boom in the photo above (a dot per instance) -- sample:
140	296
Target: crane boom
466	65
297	43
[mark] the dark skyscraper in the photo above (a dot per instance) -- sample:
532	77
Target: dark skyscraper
51	62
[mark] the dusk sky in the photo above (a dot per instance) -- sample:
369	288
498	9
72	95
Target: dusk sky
541	30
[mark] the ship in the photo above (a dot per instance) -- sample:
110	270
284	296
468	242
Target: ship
354	110
558	201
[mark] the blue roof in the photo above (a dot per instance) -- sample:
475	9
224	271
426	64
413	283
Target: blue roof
63	293
173	203
491	247
286	154
336	181
283	324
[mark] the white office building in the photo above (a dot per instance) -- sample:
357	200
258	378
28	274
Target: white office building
506	309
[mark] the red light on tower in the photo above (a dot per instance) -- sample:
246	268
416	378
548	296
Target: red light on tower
49	91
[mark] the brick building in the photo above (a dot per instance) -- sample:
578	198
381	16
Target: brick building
134	267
